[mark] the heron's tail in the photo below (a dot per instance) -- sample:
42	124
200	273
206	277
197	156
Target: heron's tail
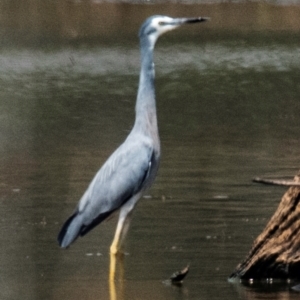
70	230
74	227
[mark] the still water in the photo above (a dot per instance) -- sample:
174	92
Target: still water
228	110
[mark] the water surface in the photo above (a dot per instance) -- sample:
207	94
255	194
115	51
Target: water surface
228	110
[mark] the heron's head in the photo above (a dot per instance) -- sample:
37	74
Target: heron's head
155	26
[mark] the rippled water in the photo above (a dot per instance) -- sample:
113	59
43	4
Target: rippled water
228	111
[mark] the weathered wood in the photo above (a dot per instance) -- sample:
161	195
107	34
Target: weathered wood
276	182
275	253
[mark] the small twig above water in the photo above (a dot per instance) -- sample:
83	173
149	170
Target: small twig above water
276	182
178	276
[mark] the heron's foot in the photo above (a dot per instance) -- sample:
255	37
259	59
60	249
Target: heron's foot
115	250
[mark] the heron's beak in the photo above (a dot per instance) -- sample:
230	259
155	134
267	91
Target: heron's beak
194	20
181	21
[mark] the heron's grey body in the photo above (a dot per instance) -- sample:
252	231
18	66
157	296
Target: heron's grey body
131	169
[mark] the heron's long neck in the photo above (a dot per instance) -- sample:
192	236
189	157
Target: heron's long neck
145	109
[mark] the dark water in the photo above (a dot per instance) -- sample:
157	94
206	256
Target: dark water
228	109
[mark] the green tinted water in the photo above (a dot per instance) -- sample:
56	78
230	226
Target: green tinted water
228	109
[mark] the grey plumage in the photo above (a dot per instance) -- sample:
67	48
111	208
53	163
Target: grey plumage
131	169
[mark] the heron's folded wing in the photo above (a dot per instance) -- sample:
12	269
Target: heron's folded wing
122	176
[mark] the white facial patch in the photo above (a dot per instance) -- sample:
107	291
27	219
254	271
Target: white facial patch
163	24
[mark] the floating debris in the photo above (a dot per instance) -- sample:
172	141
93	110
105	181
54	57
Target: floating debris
178	276
220	197
92	254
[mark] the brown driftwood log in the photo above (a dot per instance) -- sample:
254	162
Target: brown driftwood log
275	253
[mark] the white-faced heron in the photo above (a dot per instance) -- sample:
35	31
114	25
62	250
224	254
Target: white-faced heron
131	169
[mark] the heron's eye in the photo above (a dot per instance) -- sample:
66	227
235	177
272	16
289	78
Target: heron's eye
162	23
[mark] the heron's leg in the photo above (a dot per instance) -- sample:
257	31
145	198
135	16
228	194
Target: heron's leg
122	227
121	232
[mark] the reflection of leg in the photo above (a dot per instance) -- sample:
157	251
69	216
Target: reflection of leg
116	268
112	272
112	267
122	227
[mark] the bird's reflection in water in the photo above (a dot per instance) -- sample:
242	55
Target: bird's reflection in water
116	276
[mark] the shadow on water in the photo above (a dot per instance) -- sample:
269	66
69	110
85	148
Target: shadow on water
228	103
